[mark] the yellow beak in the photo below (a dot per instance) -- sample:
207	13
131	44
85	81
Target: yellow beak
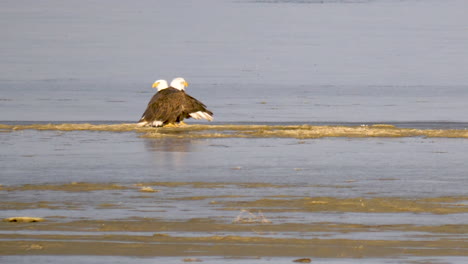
185	83
155	84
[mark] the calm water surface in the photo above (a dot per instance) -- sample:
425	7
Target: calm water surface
346	61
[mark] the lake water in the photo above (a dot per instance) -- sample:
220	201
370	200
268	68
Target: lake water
228	198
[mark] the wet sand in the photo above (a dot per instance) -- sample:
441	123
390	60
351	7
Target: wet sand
252	131
266	227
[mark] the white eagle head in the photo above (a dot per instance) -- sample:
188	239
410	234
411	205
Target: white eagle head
179	83
160	84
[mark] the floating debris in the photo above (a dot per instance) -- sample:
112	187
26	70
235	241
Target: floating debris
35	247
248	217
303	260
160	235
147	189
23	219
192	260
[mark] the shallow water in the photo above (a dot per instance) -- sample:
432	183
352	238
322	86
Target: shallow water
365	193
340	132
170	260
126	157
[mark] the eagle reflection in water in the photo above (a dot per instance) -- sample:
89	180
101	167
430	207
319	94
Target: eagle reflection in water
171	152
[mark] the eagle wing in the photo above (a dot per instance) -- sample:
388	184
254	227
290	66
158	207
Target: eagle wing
196	109
149	112
164	107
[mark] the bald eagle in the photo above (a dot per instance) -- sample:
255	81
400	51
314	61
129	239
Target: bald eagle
171	105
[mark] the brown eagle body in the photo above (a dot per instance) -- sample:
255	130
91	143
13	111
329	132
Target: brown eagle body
170	106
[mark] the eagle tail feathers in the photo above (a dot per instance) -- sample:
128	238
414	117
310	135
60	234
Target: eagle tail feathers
201	115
